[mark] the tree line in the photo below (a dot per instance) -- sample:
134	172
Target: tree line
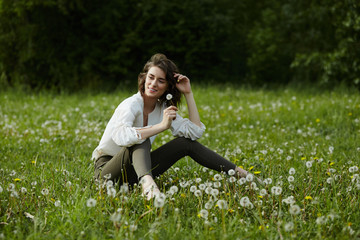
72	44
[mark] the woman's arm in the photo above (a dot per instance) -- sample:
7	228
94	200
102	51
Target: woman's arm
168	116
183	84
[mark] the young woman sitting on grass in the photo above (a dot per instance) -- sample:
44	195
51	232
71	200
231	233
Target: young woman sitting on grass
124	153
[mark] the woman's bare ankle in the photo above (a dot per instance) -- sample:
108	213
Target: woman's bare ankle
149	187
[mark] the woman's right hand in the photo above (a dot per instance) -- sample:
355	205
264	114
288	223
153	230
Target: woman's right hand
169	115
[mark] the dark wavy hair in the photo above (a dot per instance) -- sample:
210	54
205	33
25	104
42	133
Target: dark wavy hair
161	61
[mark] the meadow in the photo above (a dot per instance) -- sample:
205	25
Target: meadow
304	144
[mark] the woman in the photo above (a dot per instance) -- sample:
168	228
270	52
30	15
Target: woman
124	153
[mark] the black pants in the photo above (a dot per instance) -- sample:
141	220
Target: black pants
131	163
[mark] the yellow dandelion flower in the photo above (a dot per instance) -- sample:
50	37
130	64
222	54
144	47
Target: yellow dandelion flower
332	163
303	158
308	198
319	214
199	216
257	172
183	195
261	159
317	120
251	167
350	114
241	167
33	162
316	158
17	179
260	196
148	207
52	199
349	224
261	227
328	173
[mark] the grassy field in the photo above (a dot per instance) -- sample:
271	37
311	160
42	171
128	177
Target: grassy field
304	144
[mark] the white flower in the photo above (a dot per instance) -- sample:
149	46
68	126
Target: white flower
214	192
159	200
14	194
263	192
202	186
193	188
115	217
308	164
111	192
174	189
11	187
204	213
232	179
242	181
321	220
23	190
290	200
217	184
198	180
91	202
124	188
294	210
231	172
268	181
208	190
249	178
45	191
209	204
353	169
291	178
292	171
329	180
222	204
57	203
289	226
217	177
276	190
244	201
169	97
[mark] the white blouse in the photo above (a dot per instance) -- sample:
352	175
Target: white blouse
121	130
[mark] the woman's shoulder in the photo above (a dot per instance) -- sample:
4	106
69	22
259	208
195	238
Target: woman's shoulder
133	103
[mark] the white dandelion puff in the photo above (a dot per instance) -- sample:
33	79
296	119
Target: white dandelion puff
204	213
198	193
193	188
276	190
249	177
169	96
217	177
288	227
292	171
45	191
309	164
231	172
291	179
91	202
222	204
294	210
57	203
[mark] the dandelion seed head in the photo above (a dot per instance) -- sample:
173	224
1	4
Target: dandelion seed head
276	190
232	179
288	227
45	191
217	177
222	204
291	179
193	188
115	217
23	190
204	213
231	172
294	209
249	177
292	171
169	97
57	203
91	202
268	181
309	164
242	181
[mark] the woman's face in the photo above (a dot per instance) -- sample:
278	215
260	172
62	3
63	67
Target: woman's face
155	83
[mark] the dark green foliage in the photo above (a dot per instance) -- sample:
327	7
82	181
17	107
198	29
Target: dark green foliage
67	44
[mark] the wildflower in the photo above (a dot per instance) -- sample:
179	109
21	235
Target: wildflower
331	149
289	200
276	190
115	217
321	220
231	172
14	194
308	198
244	201
329	180
242	181
209	204
217	177
68	184
291	178
214	192
289	226
249	178
173	189
208	190
204	213
159	200
124	188
217	184
198	180
268	181
308	164
107	176
169	97
45	191
294	210
23	190
232	179
257	172
192	188
91	202
263	192
11	187
202	186
222	204
183	184
111	191
17	179
353	169
292	171
57	203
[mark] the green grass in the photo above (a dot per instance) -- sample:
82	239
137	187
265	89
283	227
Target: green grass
46	172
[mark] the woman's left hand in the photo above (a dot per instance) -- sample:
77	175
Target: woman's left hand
183	83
